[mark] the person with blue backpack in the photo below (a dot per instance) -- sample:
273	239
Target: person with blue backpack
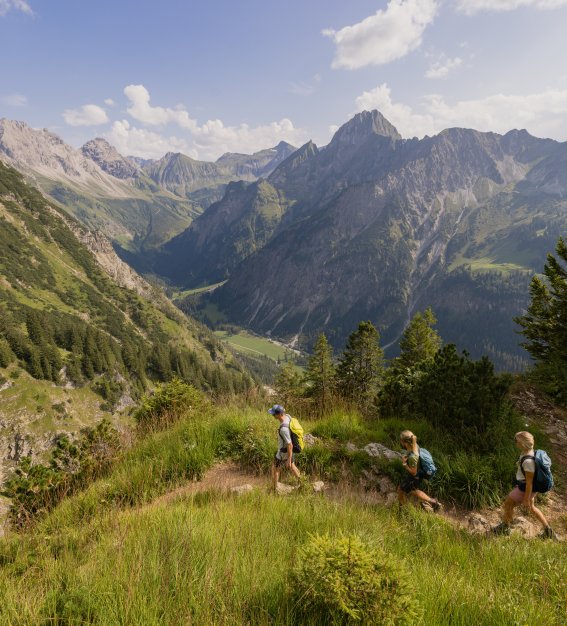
419	466
533	476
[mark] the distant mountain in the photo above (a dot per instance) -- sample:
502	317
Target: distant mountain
97	186
377	227
204	181
81	334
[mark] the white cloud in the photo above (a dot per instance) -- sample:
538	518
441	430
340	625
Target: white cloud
442	67
14	100
542	114
208	140
109	102
140	142
87	115
16	5
386	36
475	6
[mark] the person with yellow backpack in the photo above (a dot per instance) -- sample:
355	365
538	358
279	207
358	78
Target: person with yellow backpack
290	442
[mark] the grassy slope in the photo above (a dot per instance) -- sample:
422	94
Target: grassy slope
253	344
110	556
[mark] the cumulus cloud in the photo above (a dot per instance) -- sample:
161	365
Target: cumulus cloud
205	141
87	115
140	142
109	102
386	36
475	6
16	5
442	67
14	100
542	114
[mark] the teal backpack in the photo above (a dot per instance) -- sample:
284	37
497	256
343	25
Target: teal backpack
427	467
543	478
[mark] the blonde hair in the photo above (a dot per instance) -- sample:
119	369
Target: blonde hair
525	439
406	436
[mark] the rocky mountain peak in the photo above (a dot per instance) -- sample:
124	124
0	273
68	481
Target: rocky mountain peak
109	159
358	129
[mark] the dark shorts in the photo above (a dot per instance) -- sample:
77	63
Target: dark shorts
280	462
410	483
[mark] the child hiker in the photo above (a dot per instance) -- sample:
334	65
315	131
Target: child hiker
419	466
524	491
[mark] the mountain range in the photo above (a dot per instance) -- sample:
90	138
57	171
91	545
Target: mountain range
370	226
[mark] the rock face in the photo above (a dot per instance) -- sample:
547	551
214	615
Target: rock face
109	160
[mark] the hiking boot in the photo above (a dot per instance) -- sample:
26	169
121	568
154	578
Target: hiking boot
437	506
547	534
501	529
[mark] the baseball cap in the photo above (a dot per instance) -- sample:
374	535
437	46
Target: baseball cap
276	409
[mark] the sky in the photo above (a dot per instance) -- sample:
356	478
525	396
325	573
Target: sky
216	76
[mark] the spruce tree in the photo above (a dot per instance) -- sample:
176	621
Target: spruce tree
545	323
420	342
320	374
288	384
361	366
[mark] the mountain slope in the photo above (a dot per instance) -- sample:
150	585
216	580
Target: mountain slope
85	342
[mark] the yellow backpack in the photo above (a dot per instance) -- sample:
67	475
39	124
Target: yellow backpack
296	431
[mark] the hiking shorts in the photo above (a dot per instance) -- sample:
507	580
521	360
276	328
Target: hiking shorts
410	483
280	462
517	495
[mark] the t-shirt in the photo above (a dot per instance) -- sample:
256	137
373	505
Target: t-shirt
527	466
413	459
284	437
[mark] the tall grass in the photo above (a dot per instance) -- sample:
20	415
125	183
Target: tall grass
212	559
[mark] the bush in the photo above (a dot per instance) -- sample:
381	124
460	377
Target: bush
168	403
339	581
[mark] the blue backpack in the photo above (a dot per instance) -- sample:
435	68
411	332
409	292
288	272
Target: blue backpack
427	467
543	478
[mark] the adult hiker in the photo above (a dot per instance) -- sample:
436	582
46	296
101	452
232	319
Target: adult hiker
284	455
419	466
527	485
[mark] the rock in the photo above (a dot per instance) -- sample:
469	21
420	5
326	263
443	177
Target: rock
385	485
523	527
241	489
350	447
377	450
478	524
318	486
284	490
309	439
391	499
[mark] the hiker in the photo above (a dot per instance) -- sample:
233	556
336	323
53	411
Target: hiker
416	472
524	491
284	455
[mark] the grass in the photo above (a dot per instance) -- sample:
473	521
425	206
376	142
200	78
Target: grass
252	344
193	292
113	555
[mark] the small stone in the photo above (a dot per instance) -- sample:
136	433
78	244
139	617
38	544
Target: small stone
391	499
309	439
350	447
240	489
318	486
284	490
478	524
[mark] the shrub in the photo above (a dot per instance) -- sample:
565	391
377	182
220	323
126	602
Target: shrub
339	580
168	403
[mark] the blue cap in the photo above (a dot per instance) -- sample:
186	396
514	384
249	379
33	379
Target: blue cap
276	409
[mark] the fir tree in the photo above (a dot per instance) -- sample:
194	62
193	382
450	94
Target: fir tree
545	323
419	342
320	374
288	383
361	366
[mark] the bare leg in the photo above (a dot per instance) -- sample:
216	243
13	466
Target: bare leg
275	476
509	506
295	471
421	495
538	514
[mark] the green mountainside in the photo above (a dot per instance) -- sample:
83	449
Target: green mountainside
74	343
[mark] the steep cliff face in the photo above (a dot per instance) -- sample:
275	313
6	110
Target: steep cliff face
109	159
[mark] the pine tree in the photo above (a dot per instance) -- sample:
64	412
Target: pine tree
361	366
545	323
419	342
288	384
320	374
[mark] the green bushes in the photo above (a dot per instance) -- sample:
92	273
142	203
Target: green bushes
339	580
35	489
169	402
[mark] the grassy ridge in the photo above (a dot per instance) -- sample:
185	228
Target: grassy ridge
112	556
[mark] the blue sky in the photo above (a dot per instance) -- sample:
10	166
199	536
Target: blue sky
239	75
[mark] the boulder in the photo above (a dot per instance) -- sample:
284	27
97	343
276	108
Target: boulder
377	450
241	489
318	486
478	524
284	490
